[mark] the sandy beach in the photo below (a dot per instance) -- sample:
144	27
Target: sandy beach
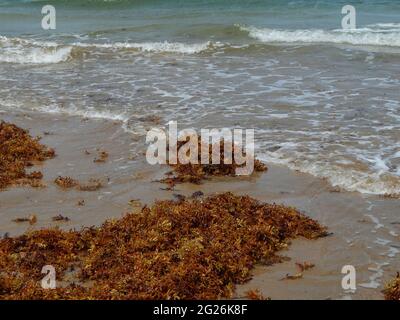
365	229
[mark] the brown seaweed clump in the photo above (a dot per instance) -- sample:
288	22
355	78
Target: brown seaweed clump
68	183
392	290
32	219
256	295
192	249
19	150
102	157
195	173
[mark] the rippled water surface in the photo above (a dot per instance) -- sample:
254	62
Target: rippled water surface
322	100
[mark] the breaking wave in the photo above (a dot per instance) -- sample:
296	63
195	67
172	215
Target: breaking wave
157	47
30	51
20	51
377	35
23	51
366	182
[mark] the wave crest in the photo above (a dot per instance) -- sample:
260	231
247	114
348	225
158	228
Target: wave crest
157	47
23	51
364	36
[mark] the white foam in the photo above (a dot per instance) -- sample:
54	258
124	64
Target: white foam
348	179
382	242
158	47
30	51
375	220
364	36
36	55
21	51
375	279
74	111
385	26
392	252
85	113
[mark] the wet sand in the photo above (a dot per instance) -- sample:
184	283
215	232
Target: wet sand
365	228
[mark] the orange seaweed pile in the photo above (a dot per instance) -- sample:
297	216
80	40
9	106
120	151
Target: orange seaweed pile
195	173
68	183
392	290
19	150
191	249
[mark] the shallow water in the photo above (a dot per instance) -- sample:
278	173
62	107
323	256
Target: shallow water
365	228
322	101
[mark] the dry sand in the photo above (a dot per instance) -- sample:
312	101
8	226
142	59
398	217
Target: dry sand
365	228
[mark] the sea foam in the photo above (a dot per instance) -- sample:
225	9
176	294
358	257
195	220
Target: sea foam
158	47
29	51
21	51
368	36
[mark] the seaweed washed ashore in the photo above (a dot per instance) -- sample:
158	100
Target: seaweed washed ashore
197	172
392	290
18	150
191	249
188	249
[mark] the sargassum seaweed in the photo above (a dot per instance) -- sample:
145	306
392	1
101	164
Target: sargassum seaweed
195	173
18	150
392	290
191	249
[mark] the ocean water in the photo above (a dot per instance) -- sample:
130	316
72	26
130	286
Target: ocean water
322	100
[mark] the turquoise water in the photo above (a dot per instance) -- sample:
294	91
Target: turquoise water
187	19
322	100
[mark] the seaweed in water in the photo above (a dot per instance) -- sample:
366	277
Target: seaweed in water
195	173
68	183
91	185
305	266
192	249
18	150
392	290
32	219
60	218
103	156
256	295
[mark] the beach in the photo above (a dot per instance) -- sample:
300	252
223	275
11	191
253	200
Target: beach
364	228
322	100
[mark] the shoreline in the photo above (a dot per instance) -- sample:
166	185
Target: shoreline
365	229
